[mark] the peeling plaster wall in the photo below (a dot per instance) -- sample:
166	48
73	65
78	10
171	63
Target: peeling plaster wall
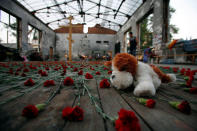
157	6
48	35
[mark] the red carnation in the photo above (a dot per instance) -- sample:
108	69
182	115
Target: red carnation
187	72
67	113
40	71
127	121
19	69
105	68
44	73
98	73
46	68
31	67
192	90
73	114
147	102
78	113
175	69
16	73
23	75
104	83
29	82
91	68
30	111
64	71
150	103
109	72
48	83
80	72
181	106
11	71
189	83
191	77
88	76
68	81
75	69
26	70
182	71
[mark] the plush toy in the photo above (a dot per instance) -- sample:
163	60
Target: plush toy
126	70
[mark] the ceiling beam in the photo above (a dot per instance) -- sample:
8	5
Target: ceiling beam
60	19
104	19
59	9
80	7
118	8
99	6
63	12
55	21
53	6
106	7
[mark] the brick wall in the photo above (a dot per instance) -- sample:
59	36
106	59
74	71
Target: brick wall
74	29
100	30
91	30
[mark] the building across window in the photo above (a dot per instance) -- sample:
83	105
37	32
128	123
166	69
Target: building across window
106	42
98	42
34	36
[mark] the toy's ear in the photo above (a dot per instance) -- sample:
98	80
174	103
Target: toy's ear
125	62
108	63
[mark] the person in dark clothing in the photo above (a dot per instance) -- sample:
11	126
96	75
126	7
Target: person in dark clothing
133	44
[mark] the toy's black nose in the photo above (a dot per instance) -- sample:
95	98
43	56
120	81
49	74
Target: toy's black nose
113	76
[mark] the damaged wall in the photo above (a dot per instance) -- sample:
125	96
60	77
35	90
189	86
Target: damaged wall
83	45
48	35
159	27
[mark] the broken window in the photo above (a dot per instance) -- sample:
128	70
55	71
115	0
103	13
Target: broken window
106	42
34	36
8	29
98	42
146	32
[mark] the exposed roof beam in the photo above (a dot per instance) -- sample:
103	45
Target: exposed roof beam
60	19
106	7
99	6
118	8
60	10
55	21
80	7
104	19
63	12
53	6
90	8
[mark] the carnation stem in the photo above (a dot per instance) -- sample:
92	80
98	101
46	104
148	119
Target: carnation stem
54	93
98	109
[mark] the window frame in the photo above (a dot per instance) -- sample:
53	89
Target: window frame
12	28
39	37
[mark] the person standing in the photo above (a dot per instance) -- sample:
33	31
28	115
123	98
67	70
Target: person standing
133	42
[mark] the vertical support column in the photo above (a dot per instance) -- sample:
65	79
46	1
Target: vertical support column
24	36
19	35
165	20
160	26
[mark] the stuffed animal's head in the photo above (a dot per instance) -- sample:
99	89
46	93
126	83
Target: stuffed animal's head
124	67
